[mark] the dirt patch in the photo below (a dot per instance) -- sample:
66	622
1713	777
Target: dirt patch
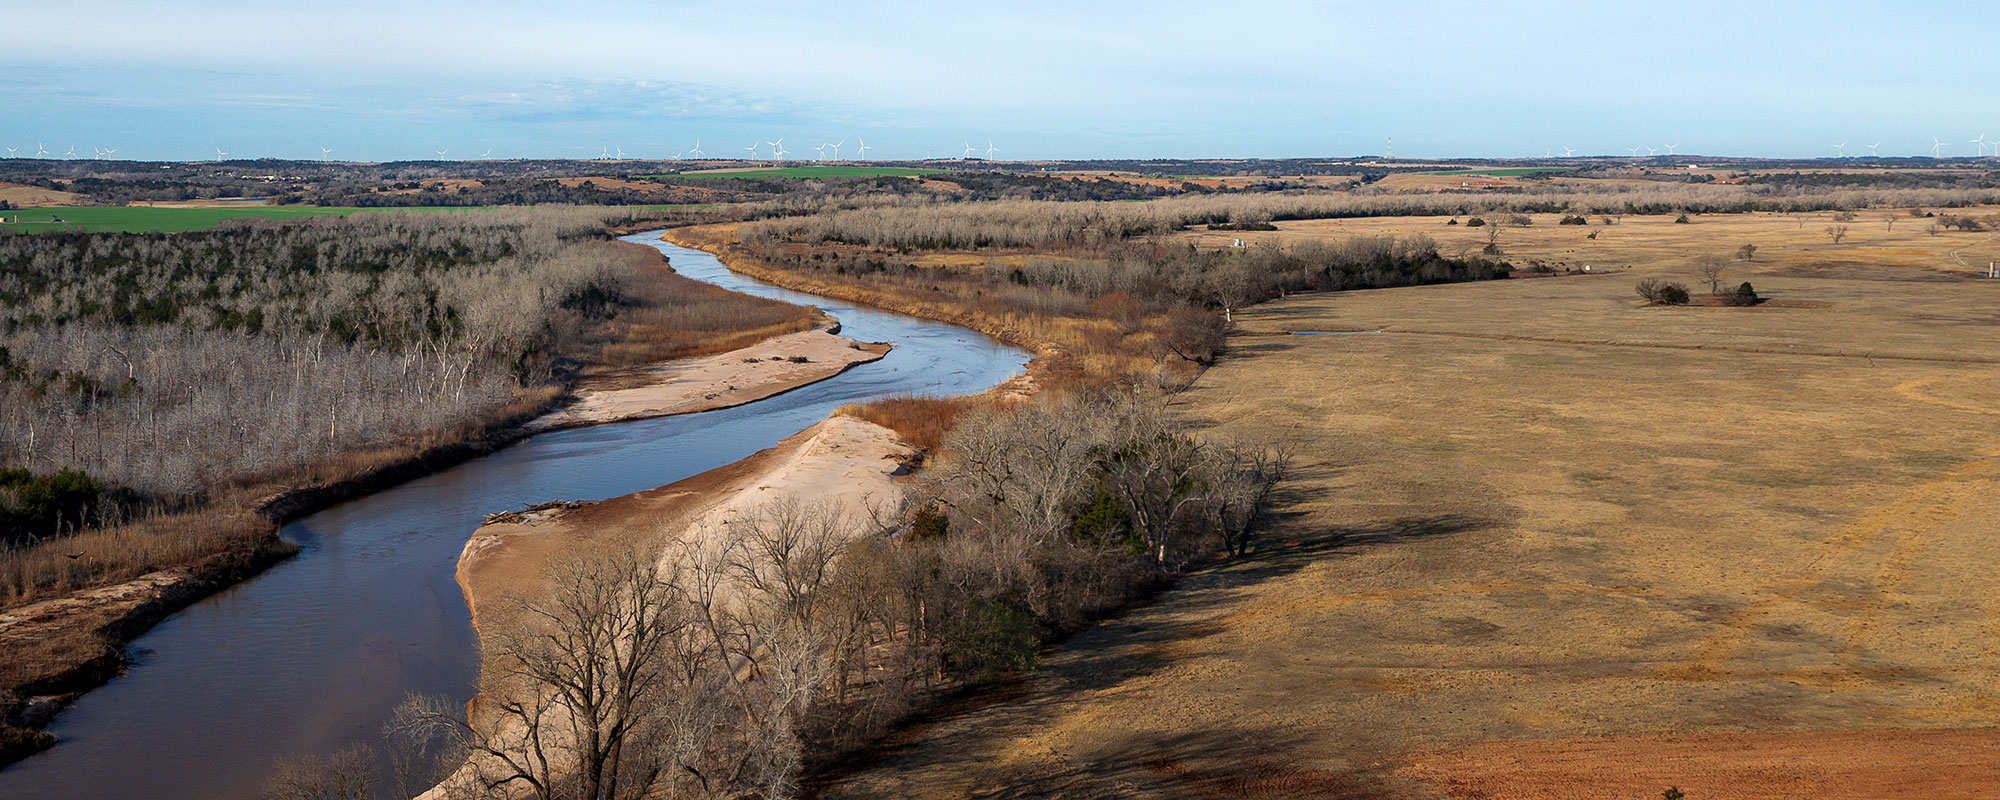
1858	271
1843	765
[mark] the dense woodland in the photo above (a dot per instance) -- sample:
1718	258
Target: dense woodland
166	368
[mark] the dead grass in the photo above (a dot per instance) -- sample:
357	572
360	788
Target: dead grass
1889	243
1536	511
921	420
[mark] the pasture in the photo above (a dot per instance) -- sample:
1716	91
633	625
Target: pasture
1514	172
1544	542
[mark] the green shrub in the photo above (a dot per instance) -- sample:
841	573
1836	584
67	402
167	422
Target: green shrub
1104	524
43	506
929	524
992	640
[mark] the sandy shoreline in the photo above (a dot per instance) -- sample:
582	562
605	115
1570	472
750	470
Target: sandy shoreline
842	462
685	386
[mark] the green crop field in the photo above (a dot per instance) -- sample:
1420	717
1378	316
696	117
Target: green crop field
812	172
151	219
1507	173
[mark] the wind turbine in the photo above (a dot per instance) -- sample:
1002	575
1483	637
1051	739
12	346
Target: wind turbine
604	155
12	150
1568	151
1650	151
71	153
753	151
990	149
324	152
819	152
777	148
487	154
99	151
864	149
968	152
621	153
1937	146
1840	149
1670	148
219	155
442	152
836	149
1634	151
1980	143
697	149
1872	152
40	150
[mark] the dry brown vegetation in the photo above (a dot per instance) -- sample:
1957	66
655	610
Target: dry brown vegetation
1751	544
714	657
1074	344
193	420
922	421
191	409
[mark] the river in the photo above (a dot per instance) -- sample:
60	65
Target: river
313	655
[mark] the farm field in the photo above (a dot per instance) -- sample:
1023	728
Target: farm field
807	172
1543	542
1876	245
1508	173
179	219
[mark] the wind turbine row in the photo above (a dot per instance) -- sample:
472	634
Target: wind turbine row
40	152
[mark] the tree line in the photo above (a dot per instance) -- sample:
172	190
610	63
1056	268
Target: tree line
723	662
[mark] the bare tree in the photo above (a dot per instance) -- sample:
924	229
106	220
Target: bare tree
1246	479
347	774
1711	268
1836	233
579	683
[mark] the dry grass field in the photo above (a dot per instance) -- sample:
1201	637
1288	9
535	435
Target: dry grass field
1543	542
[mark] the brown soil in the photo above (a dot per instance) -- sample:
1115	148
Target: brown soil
1837	765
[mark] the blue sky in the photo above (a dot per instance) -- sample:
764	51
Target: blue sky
382	80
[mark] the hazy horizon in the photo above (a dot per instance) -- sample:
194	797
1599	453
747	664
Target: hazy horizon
375	82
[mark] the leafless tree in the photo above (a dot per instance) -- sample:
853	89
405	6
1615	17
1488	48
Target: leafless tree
1836	233
347	774
1711	268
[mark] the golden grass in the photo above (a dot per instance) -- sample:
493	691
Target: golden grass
1877	238
921	420
1534	509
